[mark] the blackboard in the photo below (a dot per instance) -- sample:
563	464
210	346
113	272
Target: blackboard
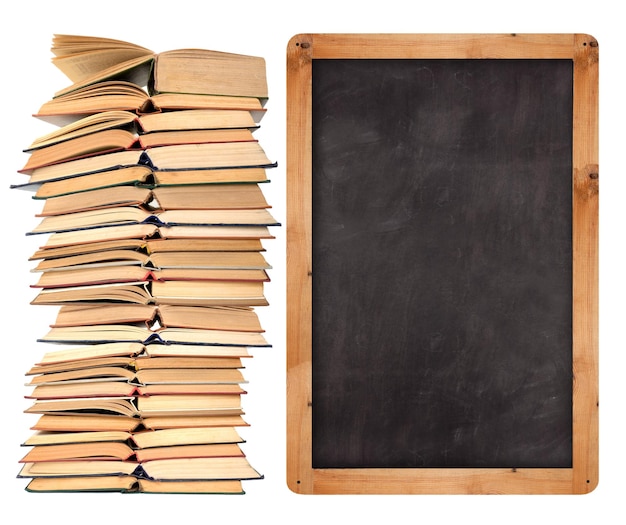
441	229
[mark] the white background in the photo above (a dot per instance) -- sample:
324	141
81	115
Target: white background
262	28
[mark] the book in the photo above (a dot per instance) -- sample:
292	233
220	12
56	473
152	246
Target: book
240	319
130	484
124	130
148	245
118	274
133	354
102	378
98	423
129	273
145	232
110	333
173	158
199	293
96	387
123	215
108	96
136	134
159	469
140	439
131	447
142	176
194	136
200	197
107	450
156	261
99	365
86	60
142	406
195	119
120	367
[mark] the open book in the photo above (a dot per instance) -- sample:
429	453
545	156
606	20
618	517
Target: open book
86	60
242	319
141	439
143	406
109	333
202	197
146	232
70	389
118	274
122	382
125	96
173	158
97	360
158	129
148	245
191	292
121	215
130	484
198	469
198	260
121	451
133	448
143	176
193	459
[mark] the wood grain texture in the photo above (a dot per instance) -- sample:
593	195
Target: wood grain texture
442	46
299	266
585	264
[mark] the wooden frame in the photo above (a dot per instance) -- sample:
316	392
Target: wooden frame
583	476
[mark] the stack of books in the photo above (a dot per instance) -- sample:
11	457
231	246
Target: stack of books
153	220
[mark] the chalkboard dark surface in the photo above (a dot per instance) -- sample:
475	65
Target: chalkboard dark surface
442	263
